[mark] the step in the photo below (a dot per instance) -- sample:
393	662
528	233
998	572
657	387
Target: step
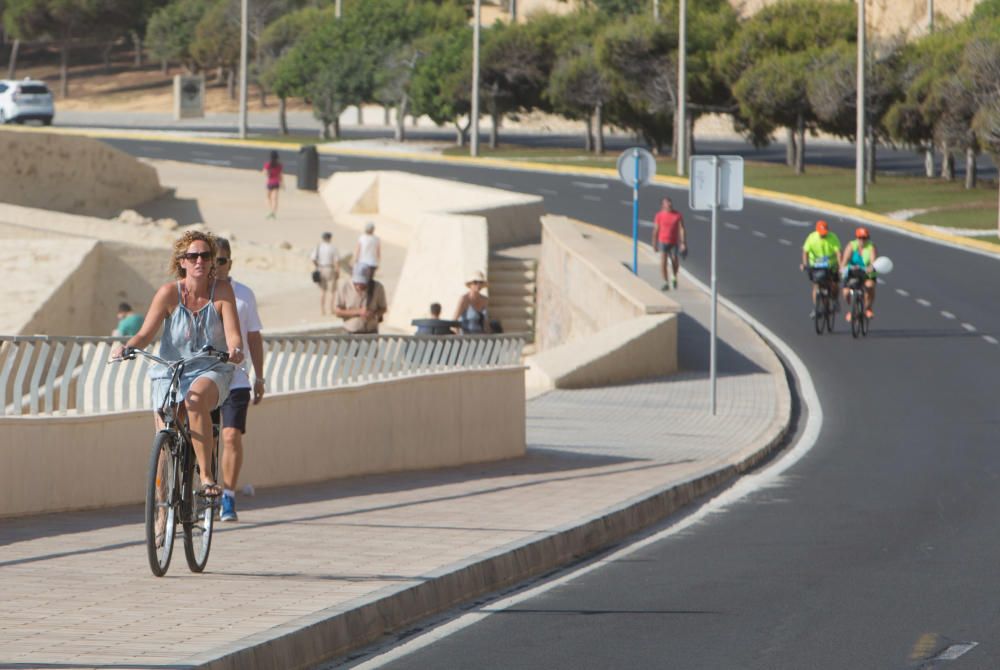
503	312
513	263
517	325
500	276
511	289
511	300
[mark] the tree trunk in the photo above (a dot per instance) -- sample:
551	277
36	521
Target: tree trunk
106	57
282	116
336	128
231	83
413	121
870	161
947	162
164	66
12	66
400	133
137	46
790	148
64	70
588	135
929	163
494	128
385	115
459	136
599	123
970	168
689	136
324	130
800	146
361	116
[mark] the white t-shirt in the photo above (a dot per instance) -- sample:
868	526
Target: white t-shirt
368	252
325	255
246	308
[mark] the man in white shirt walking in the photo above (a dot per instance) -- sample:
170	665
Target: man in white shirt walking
325	258
234	409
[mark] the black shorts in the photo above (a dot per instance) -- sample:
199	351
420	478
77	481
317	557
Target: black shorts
668	249
234	410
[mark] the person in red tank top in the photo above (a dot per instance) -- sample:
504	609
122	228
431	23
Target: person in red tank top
273	169
669	236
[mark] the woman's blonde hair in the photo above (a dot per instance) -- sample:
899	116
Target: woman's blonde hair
181	247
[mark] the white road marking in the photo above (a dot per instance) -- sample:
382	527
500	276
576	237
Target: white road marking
782	240
925	303
969	327
879	280
645	224
207	161
903	292
328	157
702	217
595	198
149	147
990	339
731	226
795	222
768	477
548	191
590	184
627	203
500	184
947	315
757	233
199	152
955	651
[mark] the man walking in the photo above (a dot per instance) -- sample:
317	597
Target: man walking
325	258
669	234
234	409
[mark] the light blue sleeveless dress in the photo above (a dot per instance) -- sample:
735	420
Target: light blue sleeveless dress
185	333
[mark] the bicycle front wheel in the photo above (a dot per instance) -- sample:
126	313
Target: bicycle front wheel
857	315
819	312
198	518
162	493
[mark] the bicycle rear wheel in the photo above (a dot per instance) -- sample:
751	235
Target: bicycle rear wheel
819	312
830	315
198	516
865	323
162	491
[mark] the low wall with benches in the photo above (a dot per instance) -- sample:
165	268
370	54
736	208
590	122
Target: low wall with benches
51	464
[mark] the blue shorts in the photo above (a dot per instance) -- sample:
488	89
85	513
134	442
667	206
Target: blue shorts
234	410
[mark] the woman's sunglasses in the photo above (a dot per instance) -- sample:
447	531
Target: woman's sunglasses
192	256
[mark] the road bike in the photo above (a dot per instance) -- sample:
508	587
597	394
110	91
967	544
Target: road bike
856	286
171	485
823	310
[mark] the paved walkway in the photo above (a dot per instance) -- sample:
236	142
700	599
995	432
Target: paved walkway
329	566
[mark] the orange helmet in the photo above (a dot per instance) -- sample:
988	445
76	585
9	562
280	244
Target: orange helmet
861	232
822	228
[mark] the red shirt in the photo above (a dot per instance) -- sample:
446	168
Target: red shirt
667	226
273	173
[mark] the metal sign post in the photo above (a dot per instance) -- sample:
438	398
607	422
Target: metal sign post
636	167
716	181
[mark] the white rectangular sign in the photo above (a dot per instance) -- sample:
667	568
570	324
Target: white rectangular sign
716	181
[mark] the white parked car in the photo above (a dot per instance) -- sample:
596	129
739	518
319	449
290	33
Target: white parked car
25	100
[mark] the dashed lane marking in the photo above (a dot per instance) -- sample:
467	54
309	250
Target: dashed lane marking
731	226
990	339
795	222
969	327
645	224
548	191
701	217
782	240
501	184
925	303
757	233
903	292
208	161
590	184
594	198
947	315
955	651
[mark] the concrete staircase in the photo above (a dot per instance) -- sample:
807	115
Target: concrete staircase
512	294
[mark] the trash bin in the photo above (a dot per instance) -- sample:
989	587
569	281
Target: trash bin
308	168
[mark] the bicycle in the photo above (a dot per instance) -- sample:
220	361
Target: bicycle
856	284
171	492
823	312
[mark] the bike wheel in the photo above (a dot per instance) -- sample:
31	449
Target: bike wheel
865	323
198	517
162	492
830	315
819	313
857	315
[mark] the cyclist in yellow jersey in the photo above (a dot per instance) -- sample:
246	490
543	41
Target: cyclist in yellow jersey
860	253
821	250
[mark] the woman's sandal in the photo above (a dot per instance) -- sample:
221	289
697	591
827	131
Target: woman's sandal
210	491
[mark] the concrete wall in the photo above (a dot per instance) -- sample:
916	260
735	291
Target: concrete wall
440	420
597	324
72	174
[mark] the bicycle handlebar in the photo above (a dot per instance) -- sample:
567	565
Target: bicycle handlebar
129	354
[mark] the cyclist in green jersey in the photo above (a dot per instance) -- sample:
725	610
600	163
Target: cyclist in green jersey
821	252
860	254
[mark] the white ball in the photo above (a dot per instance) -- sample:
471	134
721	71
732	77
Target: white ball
883	265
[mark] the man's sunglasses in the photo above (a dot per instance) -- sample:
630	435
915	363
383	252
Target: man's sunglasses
192	256
222	260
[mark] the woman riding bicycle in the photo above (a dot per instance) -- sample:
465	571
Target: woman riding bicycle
195	311
857	260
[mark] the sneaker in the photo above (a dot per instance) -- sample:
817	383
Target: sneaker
665	287
674	282
812	314
228	510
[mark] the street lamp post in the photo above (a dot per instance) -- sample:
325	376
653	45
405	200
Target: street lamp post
474	147
656	10
859	140
682	92
930	16
338	8
244	19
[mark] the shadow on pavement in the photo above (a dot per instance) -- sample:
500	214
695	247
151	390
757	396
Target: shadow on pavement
693	351
184	211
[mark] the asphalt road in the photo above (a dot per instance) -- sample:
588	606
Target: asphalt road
876	550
